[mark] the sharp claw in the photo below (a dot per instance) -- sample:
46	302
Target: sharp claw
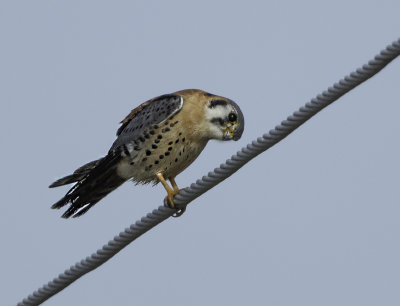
179	212
169	199
169	202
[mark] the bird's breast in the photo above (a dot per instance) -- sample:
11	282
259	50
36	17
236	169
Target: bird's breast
169	149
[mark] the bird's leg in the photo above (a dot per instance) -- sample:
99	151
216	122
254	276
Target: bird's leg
171	193
174	185
179	212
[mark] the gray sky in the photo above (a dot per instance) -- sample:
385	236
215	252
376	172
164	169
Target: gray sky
313	221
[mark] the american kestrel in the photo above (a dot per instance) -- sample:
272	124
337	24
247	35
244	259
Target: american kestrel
155	142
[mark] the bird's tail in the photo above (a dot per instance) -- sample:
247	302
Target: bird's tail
93	181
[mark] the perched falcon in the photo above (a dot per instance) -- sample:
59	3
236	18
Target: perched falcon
155	142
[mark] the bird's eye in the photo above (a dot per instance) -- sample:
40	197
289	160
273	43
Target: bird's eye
232	117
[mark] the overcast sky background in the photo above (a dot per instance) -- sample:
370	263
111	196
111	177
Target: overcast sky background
313	221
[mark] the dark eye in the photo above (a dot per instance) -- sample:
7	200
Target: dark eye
232	117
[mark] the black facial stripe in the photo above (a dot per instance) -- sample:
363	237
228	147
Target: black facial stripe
215	103
217	120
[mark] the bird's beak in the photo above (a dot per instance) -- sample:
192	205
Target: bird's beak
229	132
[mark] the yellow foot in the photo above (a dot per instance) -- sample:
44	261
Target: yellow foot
171	192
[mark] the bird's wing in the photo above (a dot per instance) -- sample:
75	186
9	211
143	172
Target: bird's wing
140	121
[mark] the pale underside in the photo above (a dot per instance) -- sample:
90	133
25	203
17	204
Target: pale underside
170	155
167	147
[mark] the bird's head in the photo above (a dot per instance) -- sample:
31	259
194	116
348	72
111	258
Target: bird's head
224	119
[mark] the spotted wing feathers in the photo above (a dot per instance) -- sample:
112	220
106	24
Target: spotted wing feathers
142	118
96	179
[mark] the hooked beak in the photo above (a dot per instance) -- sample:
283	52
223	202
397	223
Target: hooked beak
229	132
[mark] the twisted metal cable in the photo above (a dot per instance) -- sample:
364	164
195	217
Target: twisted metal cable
218	175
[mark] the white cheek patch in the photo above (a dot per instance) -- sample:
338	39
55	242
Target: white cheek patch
217	112
213	118
214	132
